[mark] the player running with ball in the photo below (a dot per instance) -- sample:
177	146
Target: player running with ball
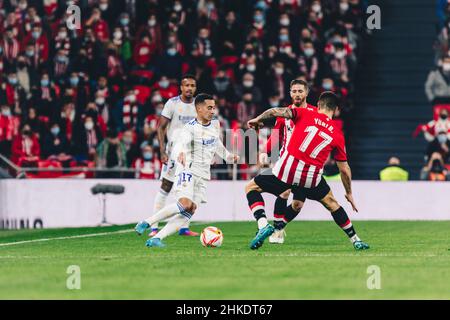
300	167
198	143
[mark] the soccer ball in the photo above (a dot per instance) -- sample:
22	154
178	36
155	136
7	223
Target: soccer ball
211	237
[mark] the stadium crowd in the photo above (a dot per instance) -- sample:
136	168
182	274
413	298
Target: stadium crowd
437	88
92	97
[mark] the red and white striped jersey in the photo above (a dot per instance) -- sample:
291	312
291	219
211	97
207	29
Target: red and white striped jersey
313	139
283	131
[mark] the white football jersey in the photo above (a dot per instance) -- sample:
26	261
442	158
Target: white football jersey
179	114
200	144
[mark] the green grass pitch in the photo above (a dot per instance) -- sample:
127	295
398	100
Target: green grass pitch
316	262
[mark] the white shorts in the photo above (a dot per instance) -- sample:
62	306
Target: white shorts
191	187
168	171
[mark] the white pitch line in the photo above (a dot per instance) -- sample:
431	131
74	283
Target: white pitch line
64	238
75	237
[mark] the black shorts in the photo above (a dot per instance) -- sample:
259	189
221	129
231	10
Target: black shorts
271	184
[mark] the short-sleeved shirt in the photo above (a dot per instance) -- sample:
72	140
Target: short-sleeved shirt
313	139
179	113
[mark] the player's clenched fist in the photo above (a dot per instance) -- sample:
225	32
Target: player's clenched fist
255	123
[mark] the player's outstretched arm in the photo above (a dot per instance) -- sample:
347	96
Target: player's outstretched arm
162	128
346	177
222	152
270	114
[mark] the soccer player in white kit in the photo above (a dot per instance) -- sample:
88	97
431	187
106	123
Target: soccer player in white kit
177	112
198	143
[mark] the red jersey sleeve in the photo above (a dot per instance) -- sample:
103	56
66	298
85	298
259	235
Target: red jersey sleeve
279	126
340	153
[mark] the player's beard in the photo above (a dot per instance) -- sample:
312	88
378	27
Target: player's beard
299	104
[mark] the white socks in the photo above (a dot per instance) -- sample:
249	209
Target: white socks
172	226
160	202
262	222
165	213
355	238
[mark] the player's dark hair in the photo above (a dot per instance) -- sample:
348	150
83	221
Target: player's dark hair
201	98
188	76
328	100
299	81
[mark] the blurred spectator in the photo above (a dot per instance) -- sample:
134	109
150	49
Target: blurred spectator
437	86
26	149
124	63
9	128
86	140
394	172
55	145
434	127
111	154
435	169
441	145
147	164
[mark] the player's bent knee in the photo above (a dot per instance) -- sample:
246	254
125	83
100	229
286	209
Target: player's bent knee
252	186
285	195
187	204
297	205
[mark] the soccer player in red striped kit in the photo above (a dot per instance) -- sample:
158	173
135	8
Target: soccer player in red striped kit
300	167
282	131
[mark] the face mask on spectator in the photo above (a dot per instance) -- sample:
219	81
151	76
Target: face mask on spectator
251	67
177	7
285	22
327	85
117	34
258	18
172	52
316	8
446	67
127	141
248	83
158	111
152	22
442	138
309	52
29	53
131	98
156	99
62	59
45	82
103	6
274	103
340	54
344	6
279	71
148	156
284	37
124	21
164	84
36	34
74	81
55	131
100	101
12	81
62	34
6	112
89	125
